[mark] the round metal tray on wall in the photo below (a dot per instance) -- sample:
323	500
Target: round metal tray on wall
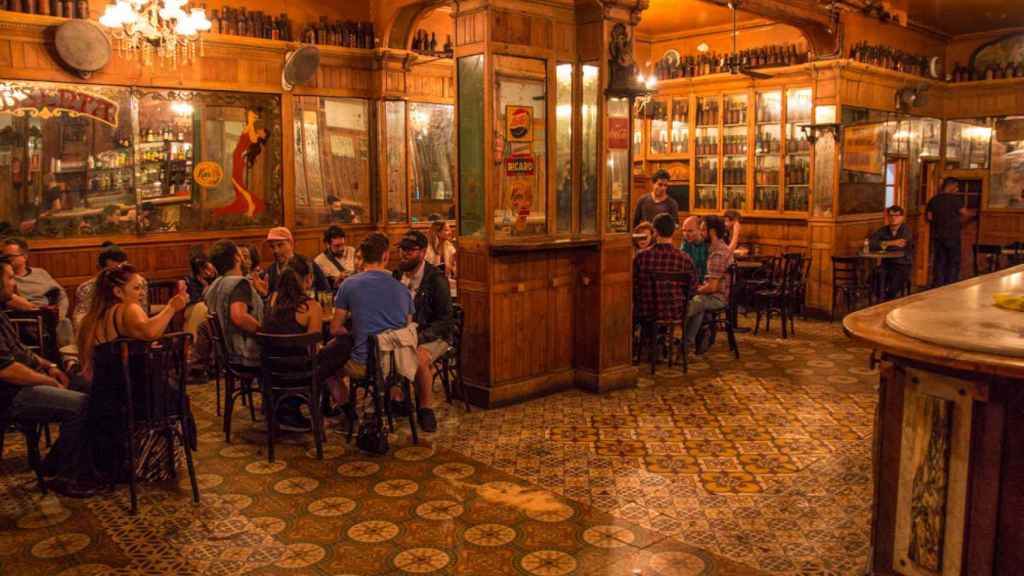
82	46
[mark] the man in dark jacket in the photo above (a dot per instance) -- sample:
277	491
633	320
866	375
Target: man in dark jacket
894	237
432	302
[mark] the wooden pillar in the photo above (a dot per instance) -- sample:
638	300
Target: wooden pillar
546	308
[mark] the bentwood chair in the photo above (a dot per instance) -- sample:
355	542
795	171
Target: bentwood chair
377	388
725	318
777	299
37	332
238	379
448	368
657	333
987	258
1015	253
155	399
846	282
288	369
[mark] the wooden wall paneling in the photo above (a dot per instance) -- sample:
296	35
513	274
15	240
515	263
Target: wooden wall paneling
1001	227
616	304
984	98
1009	551
470	28
586	331
821	247
565	41
561	304
886	449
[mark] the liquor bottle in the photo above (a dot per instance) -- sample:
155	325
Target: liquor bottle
308	34
286	28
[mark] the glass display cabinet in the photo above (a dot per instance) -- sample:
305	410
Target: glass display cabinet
658	135
706	151
680	125
798	150
768	151
734	152
967	144
94	160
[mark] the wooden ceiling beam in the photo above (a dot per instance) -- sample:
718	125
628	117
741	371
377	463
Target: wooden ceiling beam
819	25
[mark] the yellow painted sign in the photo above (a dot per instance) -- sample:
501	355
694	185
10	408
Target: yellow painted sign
208	174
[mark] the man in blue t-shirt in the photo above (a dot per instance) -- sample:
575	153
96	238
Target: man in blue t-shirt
373	299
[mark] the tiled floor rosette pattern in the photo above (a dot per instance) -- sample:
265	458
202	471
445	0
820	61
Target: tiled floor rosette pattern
756	466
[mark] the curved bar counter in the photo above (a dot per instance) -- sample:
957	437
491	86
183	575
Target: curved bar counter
949	429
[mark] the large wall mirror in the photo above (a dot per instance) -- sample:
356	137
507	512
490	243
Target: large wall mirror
332	161
431	161
94	160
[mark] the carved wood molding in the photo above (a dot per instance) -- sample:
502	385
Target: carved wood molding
818	25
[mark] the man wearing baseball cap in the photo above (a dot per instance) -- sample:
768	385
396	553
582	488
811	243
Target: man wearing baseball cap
282	244
432	305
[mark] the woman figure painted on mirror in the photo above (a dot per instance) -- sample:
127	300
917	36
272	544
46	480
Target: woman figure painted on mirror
249	146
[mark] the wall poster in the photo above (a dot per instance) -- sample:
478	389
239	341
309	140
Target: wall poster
863	149
519	123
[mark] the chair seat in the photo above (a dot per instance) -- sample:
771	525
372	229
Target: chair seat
771	292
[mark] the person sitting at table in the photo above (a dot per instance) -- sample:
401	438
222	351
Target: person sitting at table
373	300
657	202
37	289
338	260
713	294
251	262
111	256
432	301
33	389
115	313
732	229
440	250
695	246
661	257
283	246
643	237
894	237
240	309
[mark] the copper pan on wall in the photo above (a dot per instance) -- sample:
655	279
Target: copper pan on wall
82	46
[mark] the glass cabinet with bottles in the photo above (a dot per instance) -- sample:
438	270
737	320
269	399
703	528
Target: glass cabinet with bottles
798	150
706	152
734	152
768	151
680	128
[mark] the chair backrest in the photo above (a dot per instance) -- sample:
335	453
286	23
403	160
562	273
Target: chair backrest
160	291
220	346
37	331
792	267
282	354
154	377
681	282
459	318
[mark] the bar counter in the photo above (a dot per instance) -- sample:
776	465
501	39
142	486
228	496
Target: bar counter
949	430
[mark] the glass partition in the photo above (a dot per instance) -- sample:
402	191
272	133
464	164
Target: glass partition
563	148
334	164
768	151
734	149
707	150
521	175
1006	187
967	144
431	160
394	164
94	160
471	145
618	172
798	151
589	152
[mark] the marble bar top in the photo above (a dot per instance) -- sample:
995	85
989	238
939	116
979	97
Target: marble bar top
966	317
956	326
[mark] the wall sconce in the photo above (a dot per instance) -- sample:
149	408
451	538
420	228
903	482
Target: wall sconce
814	131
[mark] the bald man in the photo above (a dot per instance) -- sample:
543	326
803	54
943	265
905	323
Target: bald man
695	246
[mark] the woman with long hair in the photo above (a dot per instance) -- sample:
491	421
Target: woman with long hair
440	249
100	459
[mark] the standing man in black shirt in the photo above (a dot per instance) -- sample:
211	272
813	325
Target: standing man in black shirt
945	213
657	202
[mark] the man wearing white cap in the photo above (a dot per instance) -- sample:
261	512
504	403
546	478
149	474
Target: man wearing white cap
282	244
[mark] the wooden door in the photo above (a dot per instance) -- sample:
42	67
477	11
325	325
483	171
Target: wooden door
918	221
972	190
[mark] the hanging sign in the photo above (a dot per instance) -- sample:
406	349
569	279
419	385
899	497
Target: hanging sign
618	133
519	123
862	148
208	174
49	102
520	165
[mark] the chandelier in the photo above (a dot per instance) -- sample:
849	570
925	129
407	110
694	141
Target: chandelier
162	27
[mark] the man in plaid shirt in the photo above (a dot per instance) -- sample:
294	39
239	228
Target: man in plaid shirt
713	294
662	257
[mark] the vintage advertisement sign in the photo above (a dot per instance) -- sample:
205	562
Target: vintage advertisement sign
618	133
208	174
520	165
862	148
49	102
519	123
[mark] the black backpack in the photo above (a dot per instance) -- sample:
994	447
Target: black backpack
371	437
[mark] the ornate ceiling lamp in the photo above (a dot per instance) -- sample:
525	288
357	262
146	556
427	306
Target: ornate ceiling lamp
163	27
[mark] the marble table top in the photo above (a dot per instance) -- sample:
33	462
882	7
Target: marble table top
965	316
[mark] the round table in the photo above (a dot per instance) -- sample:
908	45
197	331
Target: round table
877	257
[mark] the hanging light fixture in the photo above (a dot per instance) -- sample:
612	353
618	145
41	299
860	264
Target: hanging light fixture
163	27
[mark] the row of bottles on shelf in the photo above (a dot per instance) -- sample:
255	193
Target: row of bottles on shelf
347	34
110	181
734	172
255	24
706	145
890	58
426	43
798	145
970	73
733	145
714	63
769	112
160	155
735	112
707	113
165	134
58	8
767	143
798	172
707	172
766	176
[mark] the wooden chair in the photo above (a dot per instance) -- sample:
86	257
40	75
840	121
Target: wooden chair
159	402
725	318
159	293
660	328
37	332
289	370
987	258
798	292
777	299
448	368
846	282
377	389
1015	254
30	430
238	379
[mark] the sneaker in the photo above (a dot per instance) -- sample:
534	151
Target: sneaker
426	420
293	421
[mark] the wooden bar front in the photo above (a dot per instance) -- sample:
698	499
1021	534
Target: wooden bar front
948	448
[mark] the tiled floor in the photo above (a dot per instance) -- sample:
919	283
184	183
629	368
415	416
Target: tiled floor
756	466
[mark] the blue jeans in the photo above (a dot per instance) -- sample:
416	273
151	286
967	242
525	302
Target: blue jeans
48	404
695	313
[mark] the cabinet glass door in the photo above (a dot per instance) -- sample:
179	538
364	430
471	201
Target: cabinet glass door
798	150
734	152
658	112
680	125
707	139
767	151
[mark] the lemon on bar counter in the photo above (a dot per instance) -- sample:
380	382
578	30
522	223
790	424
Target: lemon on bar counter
1010	301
